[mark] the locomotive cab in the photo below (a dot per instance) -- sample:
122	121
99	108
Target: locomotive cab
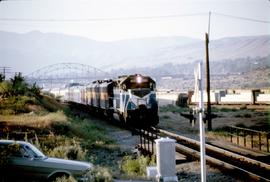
137	100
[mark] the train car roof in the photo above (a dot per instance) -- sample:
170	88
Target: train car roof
100	83
105	84
122	79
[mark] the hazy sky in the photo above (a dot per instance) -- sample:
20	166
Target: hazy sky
109	20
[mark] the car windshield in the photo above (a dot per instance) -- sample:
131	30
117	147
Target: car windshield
34	151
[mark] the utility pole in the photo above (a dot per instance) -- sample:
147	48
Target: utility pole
5	70
208	115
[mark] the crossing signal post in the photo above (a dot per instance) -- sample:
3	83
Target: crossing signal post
200	111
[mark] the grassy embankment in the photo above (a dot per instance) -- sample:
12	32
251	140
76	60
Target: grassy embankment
254	117
53	128
27	114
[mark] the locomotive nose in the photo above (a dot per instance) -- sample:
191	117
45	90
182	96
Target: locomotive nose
142	111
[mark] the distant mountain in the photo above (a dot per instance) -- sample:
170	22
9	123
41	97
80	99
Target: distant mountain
30	51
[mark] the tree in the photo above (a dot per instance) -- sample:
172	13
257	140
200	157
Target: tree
35	89
2	77
19	86
5	89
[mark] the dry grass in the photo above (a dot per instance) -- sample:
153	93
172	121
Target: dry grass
34	120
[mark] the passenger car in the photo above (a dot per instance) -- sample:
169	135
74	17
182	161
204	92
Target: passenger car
23	161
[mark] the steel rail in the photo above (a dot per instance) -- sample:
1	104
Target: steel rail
253	169
219	164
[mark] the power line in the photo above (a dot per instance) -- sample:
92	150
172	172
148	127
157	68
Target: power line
5	70
14	0
241	18
101	19
129	18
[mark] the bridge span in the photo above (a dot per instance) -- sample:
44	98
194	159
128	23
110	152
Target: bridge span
62	74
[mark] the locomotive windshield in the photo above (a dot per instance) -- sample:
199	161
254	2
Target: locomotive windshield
147	85
138	85
139	82
140	92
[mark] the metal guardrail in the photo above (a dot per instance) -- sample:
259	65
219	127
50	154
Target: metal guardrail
250	138
147	140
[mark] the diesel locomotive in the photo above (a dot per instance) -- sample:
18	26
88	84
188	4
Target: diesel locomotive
129	98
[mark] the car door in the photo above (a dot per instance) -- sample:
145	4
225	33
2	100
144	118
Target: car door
21	165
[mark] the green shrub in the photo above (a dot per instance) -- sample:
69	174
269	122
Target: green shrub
16	105
63	147
100	174
60	128
5	89
137	166
90	130
74	152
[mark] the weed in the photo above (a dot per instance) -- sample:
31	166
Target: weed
136	166
50	104
65	179
60	128
90	130
73	152
100	174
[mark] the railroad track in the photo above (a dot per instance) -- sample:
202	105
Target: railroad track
222	159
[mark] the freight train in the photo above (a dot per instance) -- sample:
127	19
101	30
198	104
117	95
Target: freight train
129	98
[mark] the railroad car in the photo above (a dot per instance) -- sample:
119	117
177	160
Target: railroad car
235	96
129	98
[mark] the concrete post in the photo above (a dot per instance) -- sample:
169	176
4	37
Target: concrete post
165	154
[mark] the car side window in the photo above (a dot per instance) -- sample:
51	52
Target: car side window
3	149
17	153
15	150
29	151
23	152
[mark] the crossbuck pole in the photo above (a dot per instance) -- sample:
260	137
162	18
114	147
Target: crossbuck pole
202	127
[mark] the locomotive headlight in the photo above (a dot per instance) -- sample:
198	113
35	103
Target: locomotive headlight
139	79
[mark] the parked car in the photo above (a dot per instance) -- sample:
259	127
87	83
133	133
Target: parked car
23	161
